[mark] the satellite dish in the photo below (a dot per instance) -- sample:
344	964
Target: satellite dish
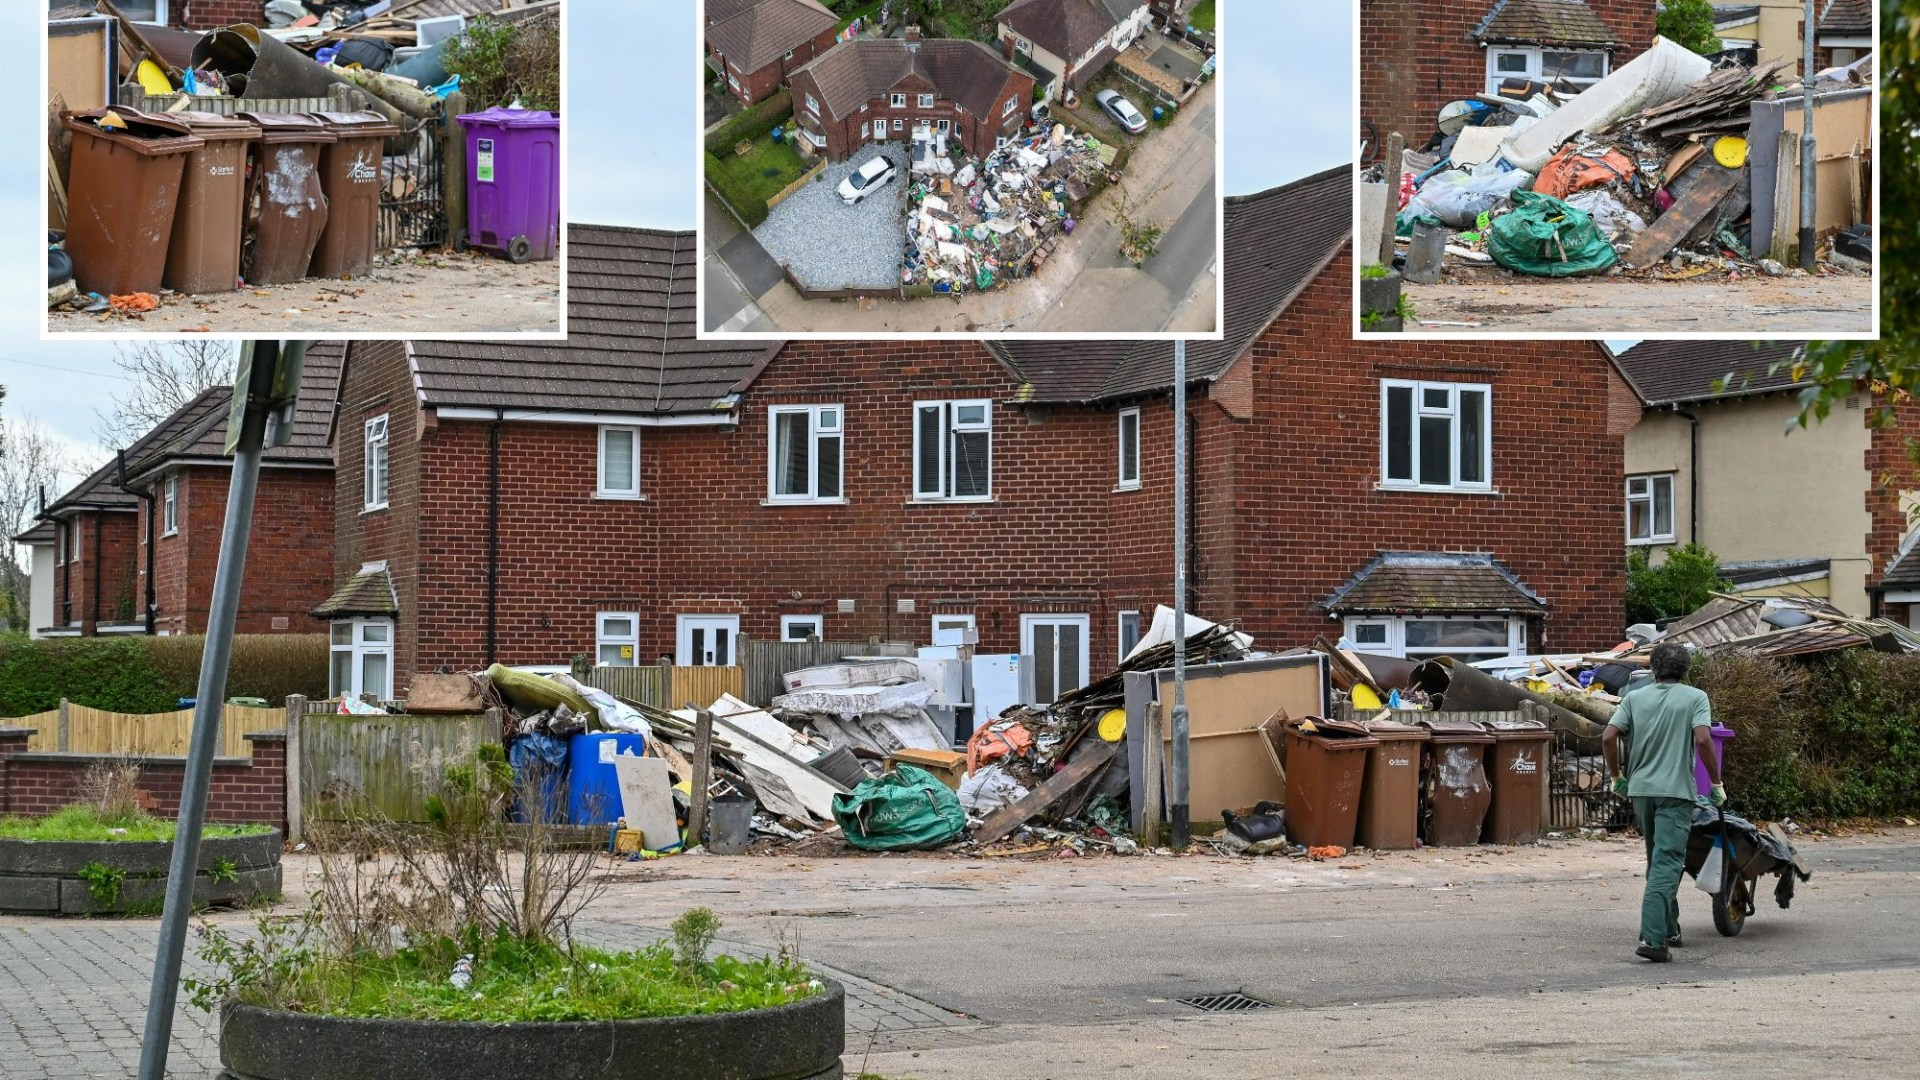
1455	114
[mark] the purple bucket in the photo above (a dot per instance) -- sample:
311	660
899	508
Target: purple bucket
1721	736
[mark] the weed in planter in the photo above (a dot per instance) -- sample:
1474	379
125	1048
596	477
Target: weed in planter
693	935
103	883
224	870
1405	309
1374	270
84	822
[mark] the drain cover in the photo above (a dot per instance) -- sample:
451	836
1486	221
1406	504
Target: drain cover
1234	1002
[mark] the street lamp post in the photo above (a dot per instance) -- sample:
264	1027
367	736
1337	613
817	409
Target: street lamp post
1178	811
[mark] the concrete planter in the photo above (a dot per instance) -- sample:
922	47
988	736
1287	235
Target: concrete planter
802	1041
44	877
1381	295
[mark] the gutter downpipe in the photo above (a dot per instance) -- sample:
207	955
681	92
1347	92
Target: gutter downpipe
1693	474
145	497
493	534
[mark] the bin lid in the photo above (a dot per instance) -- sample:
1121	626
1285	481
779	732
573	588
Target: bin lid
1332	734
143	133
1516	729
512	118
214	127
1456	731
1395	731
358	125
289	127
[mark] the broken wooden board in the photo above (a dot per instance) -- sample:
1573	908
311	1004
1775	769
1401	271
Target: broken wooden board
1051	790
812	789
646	799
1691	209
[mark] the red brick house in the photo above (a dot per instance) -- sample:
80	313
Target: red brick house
753	44
880	90
1067	42
137	542
635	492
1417	55
1845	34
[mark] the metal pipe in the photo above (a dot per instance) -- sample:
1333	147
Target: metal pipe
145	496
99	559
1809	164
218	651
1693	474
1179	809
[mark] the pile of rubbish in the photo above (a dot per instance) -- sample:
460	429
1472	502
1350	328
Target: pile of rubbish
1646	170
972	224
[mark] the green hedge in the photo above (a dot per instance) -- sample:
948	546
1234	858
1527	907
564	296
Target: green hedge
150	675
1825	736
751	122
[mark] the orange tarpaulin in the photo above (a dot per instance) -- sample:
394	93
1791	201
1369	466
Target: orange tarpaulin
1571	170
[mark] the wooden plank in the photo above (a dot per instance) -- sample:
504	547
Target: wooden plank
1052	790
702	777
1396	146
1786	172
1673	226
1152	784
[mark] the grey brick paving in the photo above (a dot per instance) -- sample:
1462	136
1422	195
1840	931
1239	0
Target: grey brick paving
73	998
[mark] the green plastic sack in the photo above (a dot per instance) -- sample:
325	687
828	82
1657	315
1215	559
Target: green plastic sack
1545	236
905	810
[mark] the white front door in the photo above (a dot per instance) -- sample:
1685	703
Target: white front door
707	640
1058	645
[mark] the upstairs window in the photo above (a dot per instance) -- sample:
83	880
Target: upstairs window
170	506
619	463
1012	104
1129	448
899	101
1650	509
813	106
926	101
1436	436
804	449
953	450
374	473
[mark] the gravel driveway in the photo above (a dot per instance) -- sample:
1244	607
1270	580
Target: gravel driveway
829	245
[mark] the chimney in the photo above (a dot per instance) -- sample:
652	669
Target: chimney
913	34
1006	47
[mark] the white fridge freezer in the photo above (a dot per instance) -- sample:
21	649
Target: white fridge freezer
999	683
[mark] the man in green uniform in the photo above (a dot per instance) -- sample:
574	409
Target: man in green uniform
1665	725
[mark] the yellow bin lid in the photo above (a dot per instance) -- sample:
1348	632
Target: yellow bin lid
1730	150
1113	725
1364	697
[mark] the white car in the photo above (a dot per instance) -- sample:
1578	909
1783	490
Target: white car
1121	110
868	179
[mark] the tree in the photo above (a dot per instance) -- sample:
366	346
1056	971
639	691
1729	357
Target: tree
1688	23
1677	586
162	376
30	459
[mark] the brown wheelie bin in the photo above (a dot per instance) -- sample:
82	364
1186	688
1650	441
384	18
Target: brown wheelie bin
286	208
350	177
1456	787
123	187
1517	765
1390	801
1326	763
204	256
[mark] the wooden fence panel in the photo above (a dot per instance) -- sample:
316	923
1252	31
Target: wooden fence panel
393	762
765	660
702	686
167	734
641	684
46	729
667	687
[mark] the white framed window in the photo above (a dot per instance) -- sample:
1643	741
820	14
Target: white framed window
953	450
619	463
616	638
804	449
733	82
960	621
1129	632
1012	104
1579	68
60	545
899	101
1058	645
152	12
789	55
362	658
73	534
1129	448
863	130
899	124
926	101
374	470
170	505
1436	436
812	105
943	125
1466	638
802	627
1650	509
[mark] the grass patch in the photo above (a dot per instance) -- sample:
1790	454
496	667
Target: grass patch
85	823
1202	17
748	181
864	11
515	981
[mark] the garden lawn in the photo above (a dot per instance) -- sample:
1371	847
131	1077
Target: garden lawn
758	176
861	12
82	823
1202	17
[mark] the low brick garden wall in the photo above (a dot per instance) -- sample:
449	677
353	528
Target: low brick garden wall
244	791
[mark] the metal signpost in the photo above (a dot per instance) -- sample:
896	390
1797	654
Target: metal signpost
264	390
1179	810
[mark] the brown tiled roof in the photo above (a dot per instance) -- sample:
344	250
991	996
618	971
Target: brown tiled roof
369	592
198	429
1427	582
1544	22
1849	18
1065	28
1276	242
756	34
99	491
853	73
43	532
1676	372
1903	574
630	346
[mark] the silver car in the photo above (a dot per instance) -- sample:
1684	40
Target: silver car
868	179
1122	111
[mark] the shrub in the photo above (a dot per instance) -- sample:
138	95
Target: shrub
751	122
1674	588
152	674
499	62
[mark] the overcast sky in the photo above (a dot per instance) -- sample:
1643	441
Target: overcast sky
631	95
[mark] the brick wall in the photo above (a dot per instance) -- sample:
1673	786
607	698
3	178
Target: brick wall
1417	55
242	791
757	85
1890	471
975	133
208	14
98	585
378	380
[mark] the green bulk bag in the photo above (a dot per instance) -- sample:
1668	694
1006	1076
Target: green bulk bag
1545	236
905	810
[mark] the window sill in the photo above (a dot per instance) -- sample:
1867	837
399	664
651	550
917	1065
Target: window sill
989	500
169	532
803	502
1126	487
1655	541
615	496
1411	489
373	509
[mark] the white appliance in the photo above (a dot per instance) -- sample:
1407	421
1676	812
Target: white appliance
942	669
1000	682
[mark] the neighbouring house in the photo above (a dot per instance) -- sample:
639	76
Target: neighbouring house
94	559
40	542
1418	55
754	44
635	492
1063	43
894	89
1845	33
1711	461
1766	29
